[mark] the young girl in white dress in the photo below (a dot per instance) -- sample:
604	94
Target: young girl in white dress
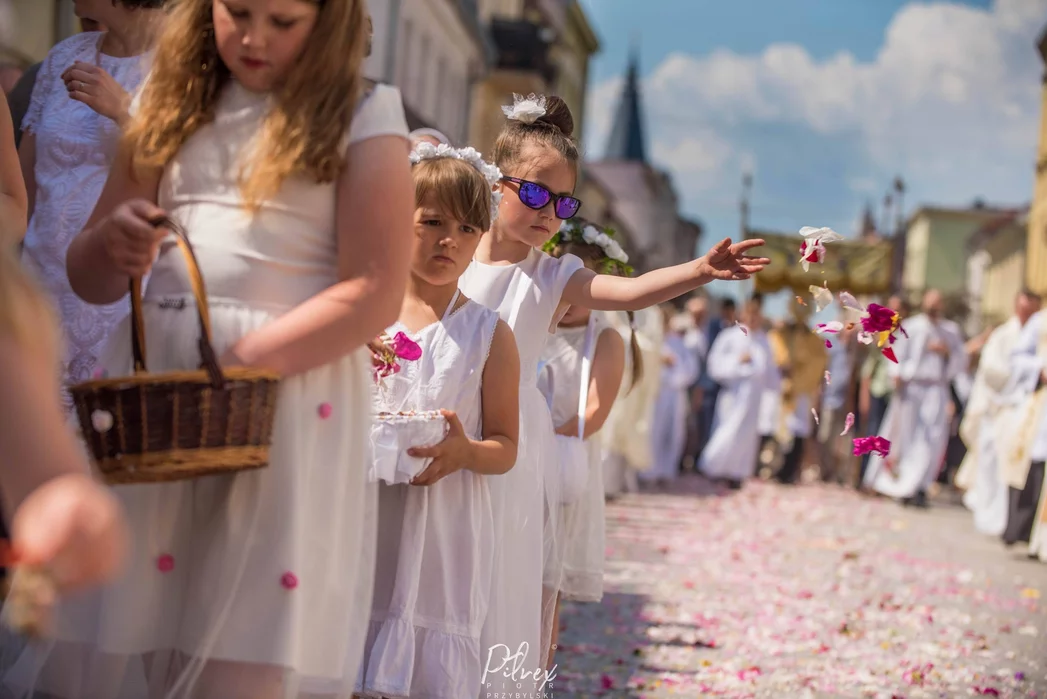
295	189
539	160
436	531
582	368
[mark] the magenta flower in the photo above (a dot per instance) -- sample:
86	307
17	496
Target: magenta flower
878	319
869	445
406	348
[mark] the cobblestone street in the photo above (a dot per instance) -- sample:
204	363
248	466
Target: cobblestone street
812	591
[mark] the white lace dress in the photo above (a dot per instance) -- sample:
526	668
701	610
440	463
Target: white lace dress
435	543
254	585
74	149
529	551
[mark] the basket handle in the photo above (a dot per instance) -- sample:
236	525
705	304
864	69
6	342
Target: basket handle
208	359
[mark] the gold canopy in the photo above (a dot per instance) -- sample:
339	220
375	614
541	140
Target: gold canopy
860	267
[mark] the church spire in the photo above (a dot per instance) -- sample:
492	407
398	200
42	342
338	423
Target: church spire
627	133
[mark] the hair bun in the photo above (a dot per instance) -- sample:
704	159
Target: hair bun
558	115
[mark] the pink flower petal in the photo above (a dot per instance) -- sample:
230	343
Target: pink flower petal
848	423
406	348
324	411
165	563
289	581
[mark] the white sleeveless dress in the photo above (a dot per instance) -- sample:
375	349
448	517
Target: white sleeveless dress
435	543
74	148
256	584
560	382
529	555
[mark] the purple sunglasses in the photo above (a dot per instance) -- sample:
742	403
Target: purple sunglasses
535	196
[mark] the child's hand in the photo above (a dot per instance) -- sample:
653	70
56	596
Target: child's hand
74	528
452	454
729	262
131	240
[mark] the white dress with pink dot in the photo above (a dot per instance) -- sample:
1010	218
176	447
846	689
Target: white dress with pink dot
256	584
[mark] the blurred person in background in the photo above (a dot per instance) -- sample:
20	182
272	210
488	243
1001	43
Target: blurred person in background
979	474
837	401
679	369
726	316
741	361
802	360
917	419
697	342
81	99
875	388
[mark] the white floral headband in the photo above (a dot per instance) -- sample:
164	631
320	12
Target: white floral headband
526	109
616	262
490	172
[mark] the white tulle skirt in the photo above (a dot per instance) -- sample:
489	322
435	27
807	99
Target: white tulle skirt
255	585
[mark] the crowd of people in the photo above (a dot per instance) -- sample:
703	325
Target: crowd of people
450	338
744	397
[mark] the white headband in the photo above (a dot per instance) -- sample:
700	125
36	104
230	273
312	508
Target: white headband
490	172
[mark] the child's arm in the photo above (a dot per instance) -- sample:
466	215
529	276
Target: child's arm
60	518
605	381
13	200
605	292
375	212
500	400
118	242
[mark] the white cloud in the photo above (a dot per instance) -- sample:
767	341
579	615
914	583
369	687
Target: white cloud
951	100
699	155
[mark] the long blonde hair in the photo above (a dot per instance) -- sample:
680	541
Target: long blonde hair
311	112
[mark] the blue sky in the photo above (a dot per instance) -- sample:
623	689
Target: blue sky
825	101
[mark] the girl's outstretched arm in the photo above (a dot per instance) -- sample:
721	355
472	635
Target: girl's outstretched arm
604	292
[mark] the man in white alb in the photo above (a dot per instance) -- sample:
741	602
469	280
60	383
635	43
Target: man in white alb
1025	447
980	473
917	423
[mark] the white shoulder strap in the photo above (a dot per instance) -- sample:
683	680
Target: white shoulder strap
588	350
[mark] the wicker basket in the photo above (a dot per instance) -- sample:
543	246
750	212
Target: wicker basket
153	428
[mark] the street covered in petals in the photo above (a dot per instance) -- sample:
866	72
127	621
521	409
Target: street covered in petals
812	591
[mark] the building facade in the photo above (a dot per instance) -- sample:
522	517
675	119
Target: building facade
433	51
995	270
1036	240
541	46
937	246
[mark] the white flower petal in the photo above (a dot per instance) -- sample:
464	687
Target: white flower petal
823	298
849	302
833	327
865	338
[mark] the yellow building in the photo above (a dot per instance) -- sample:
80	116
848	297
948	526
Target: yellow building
543	46
1036	241
996	270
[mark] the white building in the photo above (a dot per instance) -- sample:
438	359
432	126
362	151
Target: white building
433	50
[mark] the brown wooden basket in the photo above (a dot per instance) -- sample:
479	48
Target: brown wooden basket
177	425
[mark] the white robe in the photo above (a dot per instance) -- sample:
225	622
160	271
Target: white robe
669	426
916	422
1028	362
735	440
979	474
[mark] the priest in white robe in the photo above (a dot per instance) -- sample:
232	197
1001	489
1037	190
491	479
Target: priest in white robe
679	371
980	475
917	421
1023	457
741	361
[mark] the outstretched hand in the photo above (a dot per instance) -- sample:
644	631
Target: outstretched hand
729	262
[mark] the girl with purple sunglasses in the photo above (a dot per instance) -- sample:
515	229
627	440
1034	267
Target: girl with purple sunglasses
530	289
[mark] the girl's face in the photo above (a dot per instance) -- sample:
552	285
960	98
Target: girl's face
97	10
260	40
541	165
443	246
